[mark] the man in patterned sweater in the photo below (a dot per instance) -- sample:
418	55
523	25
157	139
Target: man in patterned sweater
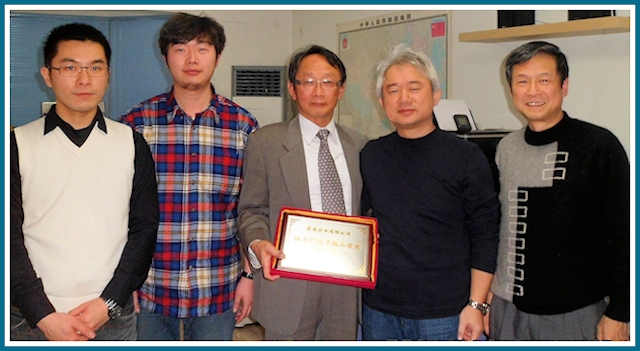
563	262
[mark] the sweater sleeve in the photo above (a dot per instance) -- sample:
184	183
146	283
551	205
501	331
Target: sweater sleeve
365	198
482	211
615	182
26	291
136	257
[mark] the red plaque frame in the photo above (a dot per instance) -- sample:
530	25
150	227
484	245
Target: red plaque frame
327	248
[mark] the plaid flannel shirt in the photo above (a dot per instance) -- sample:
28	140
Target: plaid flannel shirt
196	263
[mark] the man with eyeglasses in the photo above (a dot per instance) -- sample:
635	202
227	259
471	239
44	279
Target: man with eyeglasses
281	169
84	204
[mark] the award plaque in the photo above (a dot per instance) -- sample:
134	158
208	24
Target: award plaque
328	248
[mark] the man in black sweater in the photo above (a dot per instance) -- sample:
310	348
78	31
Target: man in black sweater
437	211
563	262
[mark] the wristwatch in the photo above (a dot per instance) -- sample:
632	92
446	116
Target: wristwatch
482	307
247	275
115	310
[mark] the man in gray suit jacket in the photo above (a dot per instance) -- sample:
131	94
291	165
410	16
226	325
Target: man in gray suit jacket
281	169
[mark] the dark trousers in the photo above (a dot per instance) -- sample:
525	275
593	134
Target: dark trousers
507	322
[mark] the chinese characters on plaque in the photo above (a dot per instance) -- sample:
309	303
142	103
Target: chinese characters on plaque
327	248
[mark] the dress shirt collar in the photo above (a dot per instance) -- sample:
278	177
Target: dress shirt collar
310	129
173	109
52	120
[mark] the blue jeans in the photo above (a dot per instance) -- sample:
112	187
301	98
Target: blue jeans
122	328
380	326
154	326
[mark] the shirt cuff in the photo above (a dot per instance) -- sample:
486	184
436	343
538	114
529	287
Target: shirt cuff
253	259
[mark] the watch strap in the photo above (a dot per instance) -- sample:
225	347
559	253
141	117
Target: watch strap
482	307
247	275
114	309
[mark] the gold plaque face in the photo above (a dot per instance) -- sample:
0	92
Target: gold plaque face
326	247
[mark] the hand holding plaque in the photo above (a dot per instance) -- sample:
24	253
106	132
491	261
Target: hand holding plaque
326	247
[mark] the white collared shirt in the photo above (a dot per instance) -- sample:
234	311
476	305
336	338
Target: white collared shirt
311	144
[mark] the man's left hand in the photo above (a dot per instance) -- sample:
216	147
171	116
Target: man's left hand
93	313
471	324
244	299
612	330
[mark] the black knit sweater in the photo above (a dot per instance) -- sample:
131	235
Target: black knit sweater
438	217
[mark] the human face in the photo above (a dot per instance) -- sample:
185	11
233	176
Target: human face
77	98
192	64
316	103
408	100
537	92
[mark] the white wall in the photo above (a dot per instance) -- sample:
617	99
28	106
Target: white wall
599	89
599	77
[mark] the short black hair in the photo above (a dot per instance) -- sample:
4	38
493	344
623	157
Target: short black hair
74	31
527	51
332	58
182	28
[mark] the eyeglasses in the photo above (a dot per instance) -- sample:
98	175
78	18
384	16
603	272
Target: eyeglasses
312	83
72	71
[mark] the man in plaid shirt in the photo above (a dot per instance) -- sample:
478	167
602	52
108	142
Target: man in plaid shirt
197	139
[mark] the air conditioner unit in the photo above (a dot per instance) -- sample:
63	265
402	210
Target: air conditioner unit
261	91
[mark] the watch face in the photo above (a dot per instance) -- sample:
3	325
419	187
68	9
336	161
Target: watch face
115	312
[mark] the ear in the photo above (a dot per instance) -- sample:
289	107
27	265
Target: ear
218	60
341	90
46	75
436	97
292	91
565	87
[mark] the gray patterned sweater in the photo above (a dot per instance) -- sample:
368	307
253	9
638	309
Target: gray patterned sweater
565	226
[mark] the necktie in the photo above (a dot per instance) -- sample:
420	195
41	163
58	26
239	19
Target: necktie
330	186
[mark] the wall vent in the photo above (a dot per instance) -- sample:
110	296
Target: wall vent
258	81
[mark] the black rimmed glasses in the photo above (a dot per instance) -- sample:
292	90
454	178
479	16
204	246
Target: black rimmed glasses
73	71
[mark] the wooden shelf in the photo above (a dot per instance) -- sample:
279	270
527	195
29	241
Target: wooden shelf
589	26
